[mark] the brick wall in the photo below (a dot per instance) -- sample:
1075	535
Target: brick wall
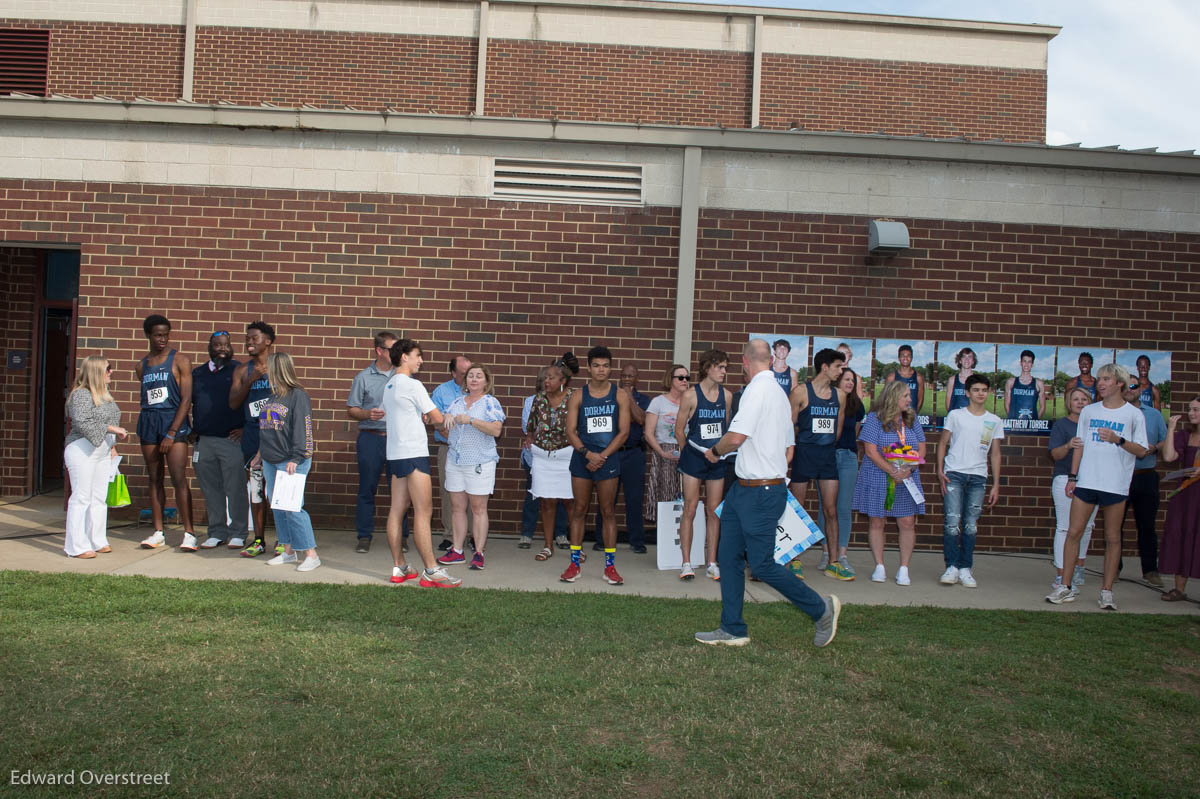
517	284
903	98
608	83
416	74
18	275
112	59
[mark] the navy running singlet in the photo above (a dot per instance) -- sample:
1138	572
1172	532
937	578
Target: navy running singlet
784	379
1148	396
957	396
1024	401
160	391
1092	388
598	419
256	400
817	424
707	424
914	389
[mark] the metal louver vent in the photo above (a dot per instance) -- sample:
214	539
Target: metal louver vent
24	59
567	182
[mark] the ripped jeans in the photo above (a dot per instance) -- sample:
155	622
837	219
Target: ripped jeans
961	506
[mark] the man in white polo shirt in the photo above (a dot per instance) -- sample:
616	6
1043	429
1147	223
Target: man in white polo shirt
761	432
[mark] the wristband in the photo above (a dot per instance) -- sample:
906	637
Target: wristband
169	435
1072	477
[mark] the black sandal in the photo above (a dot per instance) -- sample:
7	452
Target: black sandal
1174	595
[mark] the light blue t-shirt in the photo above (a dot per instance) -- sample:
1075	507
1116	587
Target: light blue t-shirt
442	396
1156	432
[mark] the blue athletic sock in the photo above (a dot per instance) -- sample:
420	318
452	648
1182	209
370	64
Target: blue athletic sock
576	554
609	554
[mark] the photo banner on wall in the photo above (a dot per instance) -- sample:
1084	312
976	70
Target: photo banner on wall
913	365
1024	386
956	361
858	352
789	358
1152	369
1076	366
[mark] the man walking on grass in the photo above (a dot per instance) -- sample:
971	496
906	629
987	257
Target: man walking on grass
761	432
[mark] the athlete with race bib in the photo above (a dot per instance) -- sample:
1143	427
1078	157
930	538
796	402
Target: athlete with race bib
701	421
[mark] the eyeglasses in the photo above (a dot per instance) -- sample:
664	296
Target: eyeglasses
684	378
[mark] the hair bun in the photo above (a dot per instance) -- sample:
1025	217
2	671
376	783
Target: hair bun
571	362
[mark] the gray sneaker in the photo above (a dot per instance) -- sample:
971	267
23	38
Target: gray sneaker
827	624
1062	594
845	561
824	562
1077	577
1106	600
719	636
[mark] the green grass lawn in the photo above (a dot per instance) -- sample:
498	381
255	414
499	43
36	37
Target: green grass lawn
254	689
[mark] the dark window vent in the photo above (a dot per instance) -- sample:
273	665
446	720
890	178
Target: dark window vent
24	61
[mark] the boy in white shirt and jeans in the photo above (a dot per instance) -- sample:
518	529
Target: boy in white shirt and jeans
970	439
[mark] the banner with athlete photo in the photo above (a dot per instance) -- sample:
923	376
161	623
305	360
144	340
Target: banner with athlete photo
1076	366
859	359
894	357
1024	387
788	354
956	361
1152	370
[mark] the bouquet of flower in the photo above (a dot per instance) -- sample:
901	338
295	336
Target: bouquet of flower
906	455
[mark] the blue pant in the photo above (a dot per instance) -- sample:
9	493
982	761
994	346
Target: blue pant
961	506
372	463
847	467
531	510
293	528
633	483
748	536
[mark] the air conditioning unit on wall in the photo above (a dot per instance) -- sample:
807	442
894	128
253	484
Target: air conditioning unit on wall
886	238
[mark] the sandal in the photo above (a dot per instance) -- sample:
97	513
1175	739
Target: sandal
1174	595
545	554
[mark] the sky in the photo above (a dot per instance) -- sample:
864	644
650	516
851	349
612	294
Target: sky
1121	72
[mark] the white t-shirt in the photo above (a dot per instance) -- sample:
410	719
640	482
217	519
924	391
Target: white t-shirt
971	437
1104	466
765	417
405	401
664	428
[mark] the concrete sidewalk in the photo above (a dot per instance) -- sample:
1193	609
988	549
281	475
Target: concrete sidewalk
1018	582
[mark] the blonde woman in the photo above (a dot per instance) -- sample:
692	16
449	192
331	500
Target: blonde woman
892	420
662	478
95	420
286	445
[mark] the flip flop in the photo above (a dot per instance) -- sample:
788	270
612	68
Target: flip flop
1174	595
545	554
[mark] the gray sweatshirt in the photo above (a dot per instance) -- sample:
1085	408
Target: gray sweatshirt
89	420
286	429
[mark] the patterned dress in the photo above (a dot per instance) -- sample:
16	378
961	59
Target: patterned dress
549	425
1180	552
871	489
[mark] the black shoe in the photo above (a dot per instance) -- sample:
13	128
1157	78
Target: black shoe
639	549
445	545
364	545
598	546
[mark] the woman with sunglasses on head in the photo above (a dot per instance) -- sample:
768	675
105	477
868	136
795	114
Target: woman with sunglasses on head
662	478
95	426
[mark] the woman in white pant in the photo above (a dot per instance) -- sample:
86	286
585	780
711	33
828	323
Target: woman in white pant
94	426
1063	443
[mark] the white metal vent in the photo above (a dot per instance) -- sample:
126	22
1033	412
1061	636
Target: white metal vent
567	182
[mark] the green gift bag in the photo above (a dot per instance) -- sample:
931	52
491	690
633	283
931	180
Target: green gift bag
118	492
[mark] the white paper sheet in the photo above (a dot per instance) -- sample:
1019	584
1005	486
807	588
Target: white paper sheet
288	492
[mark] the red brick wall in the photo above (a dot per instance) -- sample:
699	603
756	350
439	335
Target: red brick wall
903	98
112	59
517	284
18	276
414	74
608	83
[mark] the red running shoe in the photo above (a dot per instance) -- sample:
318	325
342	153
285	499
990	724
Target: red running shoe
610	574
571	574
402	574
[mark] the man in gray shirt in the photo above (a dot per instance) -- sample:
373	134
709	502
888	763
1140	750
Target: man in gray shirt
363	406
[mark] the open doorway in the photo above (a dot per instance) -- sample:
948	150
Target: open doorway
55	364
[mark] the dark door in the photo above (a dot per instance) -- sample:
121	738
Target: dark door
56	347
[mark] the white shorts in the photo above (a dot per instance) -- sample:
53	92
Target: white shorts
478	481
551	473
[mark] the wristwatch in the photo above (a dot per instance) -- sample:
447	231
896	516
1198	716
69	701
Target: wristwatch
1120	442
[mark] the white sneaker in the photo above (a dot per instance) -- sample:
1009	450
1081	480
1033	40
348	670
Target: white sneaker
902	576
714	571
211	543
950	576
189	543
879	575
310	563
686	573
282	558
236	543
1062	594
155	541
967	579
1106	600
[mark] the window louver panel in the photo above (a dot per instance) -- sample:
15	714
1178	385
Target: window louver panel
24	61
567	182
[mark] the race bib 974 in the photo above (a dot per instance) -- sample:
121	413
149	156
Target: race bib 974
156	395
710	431
599	424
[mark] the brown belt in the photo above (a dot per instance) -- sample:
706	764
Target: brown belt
772	481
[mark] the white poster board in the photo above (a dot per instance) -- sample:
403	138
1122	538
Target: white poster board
670	556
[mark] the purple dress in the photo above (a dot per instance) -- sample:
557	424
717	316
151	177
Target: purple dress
1180	553
871	490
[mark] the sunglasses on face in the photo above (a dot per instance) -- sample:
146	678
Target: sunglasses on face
684	378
